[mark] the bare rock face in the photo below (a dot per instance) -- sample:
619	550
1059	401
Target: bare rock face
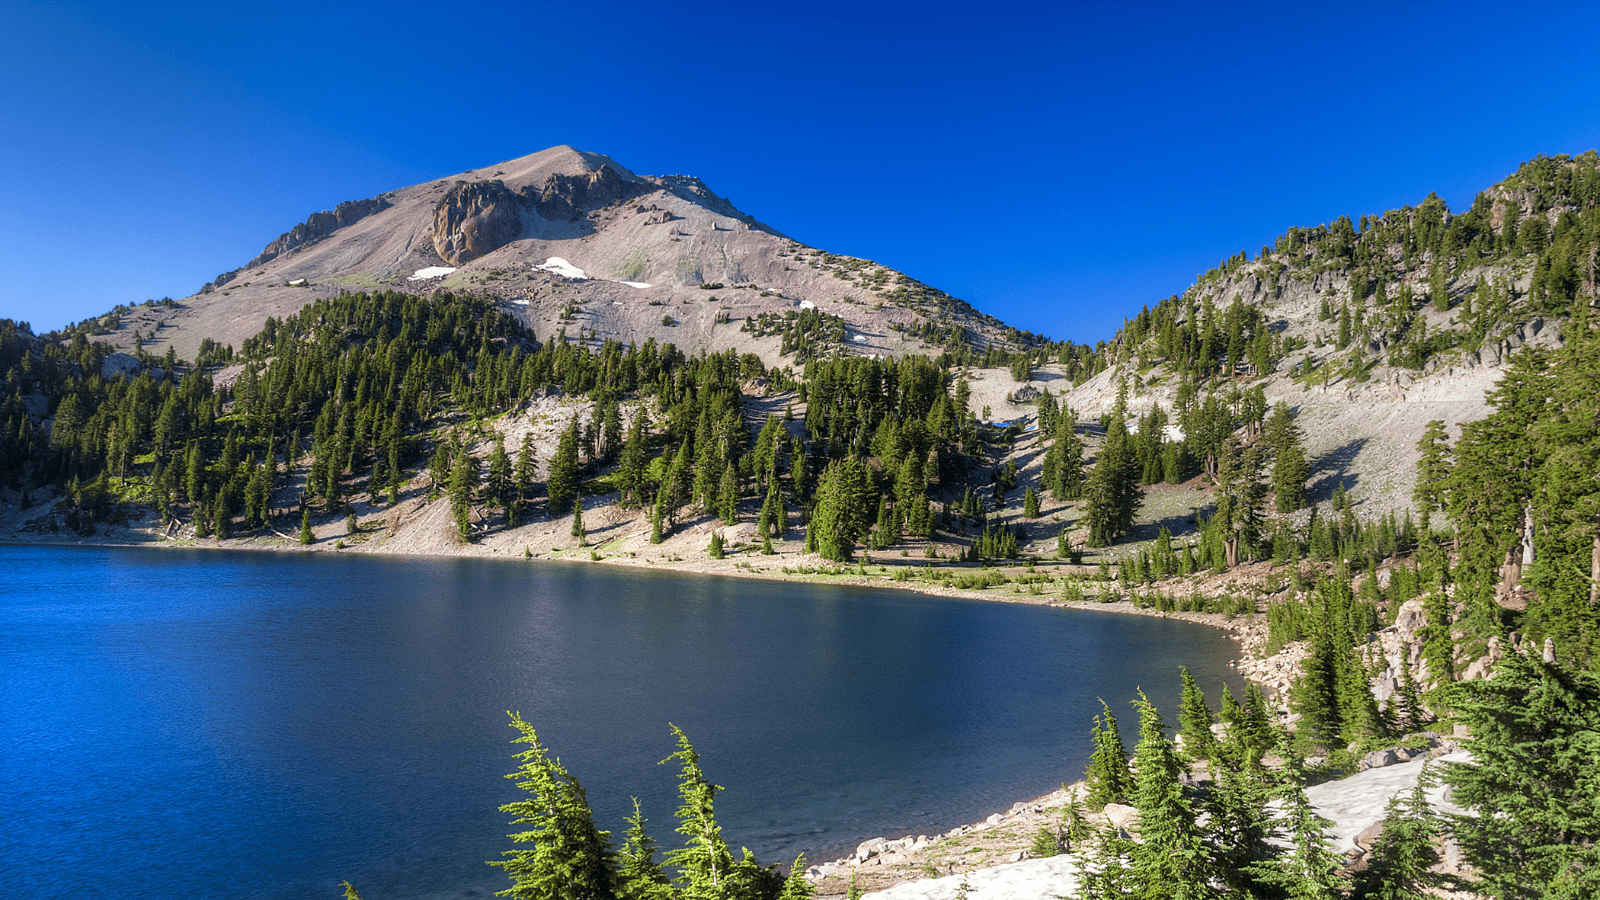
475	218
120	365
320	225
565	197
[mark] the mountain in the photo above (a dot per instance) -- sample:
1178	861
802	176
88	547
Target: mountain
569	239
1370	329
447	369
1366	330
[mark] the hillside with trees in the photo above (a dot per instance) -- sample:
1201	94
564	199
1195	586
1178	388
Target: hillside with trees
1375	439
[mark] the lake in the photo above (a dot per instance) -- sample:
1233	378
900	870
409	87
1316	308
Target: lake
265	725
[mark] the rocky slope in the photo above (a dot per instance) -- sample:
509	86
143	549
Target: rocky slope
634	252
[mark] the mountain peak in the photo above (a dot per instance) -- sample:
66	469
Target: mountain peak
533	170
653	253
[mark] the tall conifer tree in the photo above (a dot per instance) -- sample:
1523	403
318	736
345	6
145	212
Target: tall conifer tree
570	858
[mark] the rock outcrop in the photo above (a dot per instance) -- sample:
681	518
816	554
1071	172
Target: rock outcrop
566	197
319	226
476	218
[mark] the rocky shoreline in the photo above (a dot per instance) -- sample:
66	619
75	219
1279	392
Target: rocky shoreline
993	854
878	863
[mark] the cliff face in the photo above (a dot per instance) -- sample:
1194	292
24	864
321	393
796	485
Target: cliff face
319	226
474	219
566	197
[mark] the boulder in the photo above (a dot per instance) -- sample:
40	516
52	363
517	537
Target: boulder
869	848
1377	759
1121	816
1412	616
1368	836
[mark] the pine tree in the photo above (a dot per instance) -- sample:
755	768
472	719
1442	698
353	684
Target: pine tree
797	886
1401	858
715	549
773	519
629	476
1315	695
463	484
570	859
1240	824
1405	707
1437	290
194	472
1113	494
1107	777
1194	719
1030	503
704	863
1532	781
439	468
1171	861
500	475
1289	468
1110	878
728	495
561	482
673	494
306	536
842	509
1289	476
578	531
639	876
1309	871
1240	497
1433	471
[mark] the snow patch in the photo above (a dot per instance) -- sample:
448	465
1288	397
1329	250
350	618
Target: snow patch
431	272
1352	804
860	339
637	284
521	301
1358	801
807	304
558	266
1032	879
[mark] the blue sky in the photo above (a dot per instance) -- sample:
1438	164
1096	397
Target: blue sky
1056	165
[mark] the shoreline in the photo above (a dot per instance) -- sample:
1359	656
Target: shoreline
1239	628
880	861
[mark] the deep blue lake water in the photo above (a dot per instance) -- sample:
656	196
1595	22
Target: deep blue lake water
253	725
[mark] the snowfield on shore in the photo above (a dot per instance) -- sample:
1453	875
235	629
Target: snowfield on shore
1352	804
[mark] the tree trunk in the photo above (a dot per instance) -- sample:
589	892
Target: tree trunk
1594	571
1527	536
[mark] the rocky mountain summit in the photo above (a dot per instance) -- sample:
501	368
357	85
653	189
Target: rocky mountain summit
572	240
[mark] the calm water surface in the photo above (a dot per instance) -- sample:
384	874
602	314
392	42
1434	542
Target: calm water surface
255	725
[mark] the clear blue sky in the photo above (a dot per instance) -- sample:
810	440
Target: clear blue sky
1057	165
